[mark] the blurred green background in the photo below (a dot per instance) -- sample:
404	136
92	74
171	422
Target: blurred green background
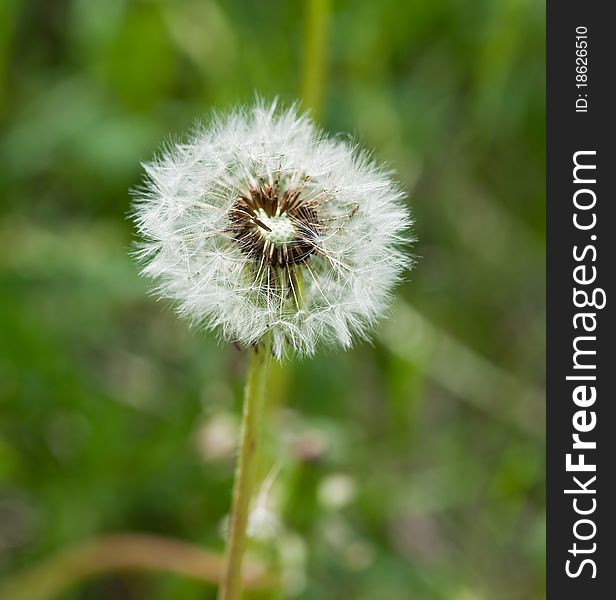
411	468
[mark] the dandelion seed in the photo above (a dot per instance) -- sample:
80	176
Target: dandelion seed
263	521
261	225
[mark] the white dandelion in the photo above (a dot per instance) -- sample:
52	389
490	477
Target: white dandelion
266	230
261	227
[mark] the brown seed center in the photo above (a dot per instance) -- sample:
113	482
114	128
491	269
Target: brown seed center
274	226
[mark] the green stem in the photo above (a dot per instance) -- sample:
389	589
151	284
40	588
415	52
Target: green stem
245	474
315	54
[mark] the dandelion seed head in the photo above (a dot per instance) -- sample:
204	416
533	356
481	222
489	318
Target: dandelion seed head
261	225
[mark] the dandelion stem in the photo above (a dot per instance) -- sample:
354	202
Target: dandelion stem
245	474
315	54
